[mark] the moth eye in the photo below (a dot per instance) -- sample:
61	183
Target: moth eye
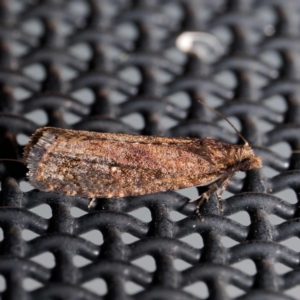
244	165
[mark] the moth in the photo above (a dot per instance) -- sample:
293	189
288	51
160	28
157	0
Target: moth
94	164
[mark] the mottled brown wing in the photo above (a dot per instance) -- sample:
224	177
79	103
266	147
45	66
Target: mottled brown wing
116	165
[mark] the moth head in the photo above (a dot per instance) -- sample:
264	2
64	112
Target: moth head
248	160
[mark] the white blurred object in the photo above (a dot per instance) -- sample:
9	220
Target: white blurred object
200	43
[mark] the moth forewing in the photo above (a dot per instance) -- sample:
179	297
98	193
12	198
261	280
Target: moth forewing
108	165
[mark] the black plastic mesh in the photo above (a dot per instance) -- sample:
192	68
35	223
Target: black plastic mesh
122	54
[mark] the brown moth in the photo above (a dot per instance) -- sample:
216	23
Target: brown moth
93	164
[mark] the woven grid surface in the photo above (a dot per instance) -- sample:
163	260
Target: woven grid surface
113	66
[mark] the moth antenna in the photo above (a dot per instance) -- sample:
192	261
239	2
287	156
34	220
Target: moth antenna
224	118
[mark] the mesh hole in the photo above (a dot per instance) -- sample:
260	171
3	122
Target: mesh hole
22	139
214	101
2	284
167	122
272	58
173	11
65	29
241	217
176	56
247	266
287	195
276	103
128	238
162	76
80	261
35	71
130	75
93	236
71	118
283	149
275	220
197	288
20	93
18	50
269	172
43	210
281	268
29	235
67	73
235	121
240	175
293	243
191	193
227	79
228	242
77	212
194	240
85	96
33	27
181	265
176	216
181	99
79	8
146	262
116	97
38	116
224	34
234	291
143	214
264	126
132	288
45	259
127	31
25	186
227	195
258	81
30	284
17	7
134	120
293	292
97	286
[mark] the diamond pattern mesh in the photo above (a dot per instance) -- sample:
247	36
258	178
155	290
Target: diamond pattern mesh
113	66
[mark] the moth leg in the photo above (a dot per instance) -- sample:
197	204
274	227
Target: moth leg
91	202
205	196
200	202
224	187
